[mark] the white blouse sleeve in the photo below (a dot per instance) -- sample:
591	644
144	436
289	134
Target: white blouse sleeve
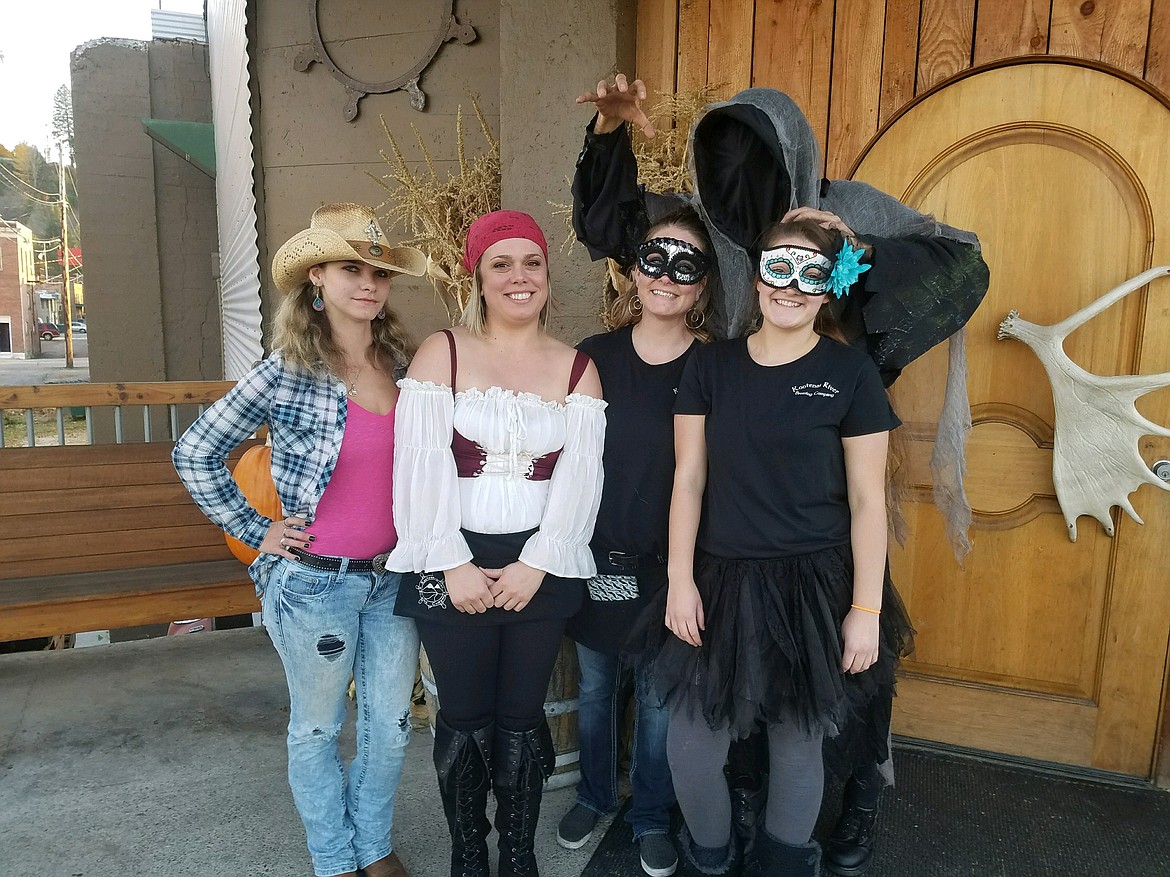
561	545
426	487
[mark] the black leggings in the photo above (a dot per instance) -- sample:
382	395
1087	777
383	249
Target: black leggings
493	672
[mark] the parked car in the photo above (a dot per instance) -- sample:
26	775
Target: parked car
79	327
48	331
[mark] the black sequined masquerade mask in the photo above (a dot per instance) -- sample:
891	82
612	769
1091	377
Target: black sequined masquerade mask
682	262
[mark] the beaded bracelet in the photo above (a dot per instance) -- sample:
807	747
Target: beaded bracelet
865	609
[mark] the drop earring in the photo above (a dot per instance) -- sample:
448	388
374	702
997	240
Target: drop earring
381	315
318	302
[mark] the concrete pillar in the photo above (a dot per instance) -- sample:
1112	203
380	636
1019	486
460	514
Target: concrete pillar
116	196
148	216
180	88
550	53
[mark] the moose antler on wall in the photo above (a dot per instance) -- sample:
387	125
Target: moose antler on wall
1095	459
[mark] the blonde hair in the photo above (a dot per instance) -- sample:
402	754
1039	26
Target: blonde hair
473	317
305	337
618	312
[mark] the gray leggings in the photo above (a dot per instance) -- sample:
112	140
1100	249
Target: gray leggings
796	780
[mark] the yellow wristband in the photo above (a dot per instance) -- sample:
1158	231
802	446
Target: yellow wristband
865	609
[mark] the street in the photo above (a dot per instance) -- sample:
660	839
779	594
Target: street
50	367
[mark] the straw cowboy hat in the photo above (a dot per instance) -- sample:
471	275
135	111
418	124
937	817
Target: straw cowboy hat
336	233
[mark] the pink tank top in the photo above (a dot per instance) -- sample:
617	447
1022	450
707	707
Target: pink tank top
355	514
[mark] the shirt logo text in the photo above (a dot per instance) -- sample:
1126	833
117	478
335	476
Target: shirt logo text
822	389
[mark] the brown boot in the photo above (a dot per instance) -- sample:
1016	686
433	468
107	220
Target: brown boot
391	866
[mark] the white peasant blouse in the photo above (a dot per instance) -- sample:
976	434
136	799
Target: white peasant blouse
432	504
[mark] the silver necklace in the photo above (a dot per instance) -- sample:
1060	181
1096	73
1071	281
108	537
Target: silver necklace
352	376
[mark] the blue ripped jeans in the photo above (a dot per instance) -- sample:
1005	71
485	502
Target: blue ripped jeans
327	626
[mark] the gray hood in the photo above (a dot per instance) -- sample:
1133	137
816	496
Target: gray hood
752	159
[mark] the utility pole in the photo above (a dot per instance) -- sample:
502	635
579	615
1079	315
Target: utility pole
65	261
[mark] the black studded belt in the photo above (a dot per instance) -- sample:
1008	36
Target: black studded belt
333	564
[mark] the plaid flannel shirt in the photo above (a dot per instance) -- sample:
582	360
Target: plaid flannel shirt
306	419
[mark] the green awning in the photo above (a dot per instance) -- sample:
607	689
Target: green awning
191	141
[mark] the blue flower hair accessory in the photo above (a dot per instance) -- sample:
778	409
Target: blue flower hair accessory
846	269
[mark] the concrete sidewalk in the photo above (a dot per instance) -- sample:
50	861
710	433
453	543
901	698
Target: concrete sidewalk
167	757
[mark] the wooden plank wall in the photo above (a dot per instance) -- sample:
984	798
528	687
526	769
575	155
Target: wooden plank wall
852	64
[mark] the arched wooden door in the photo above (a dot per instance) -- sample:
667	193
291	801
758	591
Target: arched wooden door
1038	646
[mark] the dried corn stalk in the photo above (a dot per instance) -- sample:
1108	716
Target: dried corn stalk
663	161
436	212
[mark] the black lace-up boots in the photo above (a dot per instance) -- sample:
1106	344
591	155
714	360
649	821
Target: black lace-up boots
463	760
523	760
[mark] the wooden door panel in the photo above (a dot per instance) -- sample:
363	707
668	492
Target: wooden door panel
979	717
1025	648
1020	615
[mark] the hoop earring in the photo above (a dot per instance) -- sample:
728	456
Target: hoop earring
695	319
635	306
381	315
318	302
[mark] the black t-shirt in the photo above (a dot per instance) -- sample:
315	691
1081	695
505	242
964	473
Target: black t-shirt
775	464
639	476
639	443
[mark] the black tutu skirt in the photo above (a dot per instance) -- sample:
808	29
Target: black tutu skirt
772	651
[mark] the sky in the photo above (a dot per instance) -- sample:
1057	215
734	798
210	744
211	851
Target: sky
36	37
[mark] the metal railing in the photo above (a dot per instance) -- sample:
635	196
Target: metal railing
114	413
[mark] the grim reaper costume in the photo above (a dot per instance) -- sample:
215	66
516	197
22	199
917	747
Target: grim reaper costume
754	158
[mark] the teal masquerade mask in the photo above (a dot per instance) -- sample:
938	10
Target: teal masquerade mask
811	271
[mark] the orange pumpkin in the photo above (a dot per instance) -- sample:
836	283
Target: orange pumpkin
253	475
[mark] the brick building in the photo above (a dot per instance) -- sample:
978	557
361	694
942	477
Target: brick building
18	340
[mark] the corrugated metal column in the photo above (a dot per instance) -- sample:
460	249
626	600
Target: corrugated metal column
235	201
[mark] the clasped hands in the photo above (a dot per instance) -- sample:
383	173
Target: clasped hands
473	589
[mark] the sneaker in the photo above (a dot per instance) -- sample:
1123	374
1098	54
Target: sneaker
576	827
658	856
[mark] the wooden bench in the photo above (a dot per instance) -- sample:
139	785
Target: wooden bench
102	536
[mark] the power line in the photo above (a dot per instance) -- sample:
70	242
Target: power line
5	171
29	185
25	194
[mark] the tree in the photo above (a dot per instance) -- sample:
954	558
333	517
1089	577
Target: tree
63	120
39	210
34	169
